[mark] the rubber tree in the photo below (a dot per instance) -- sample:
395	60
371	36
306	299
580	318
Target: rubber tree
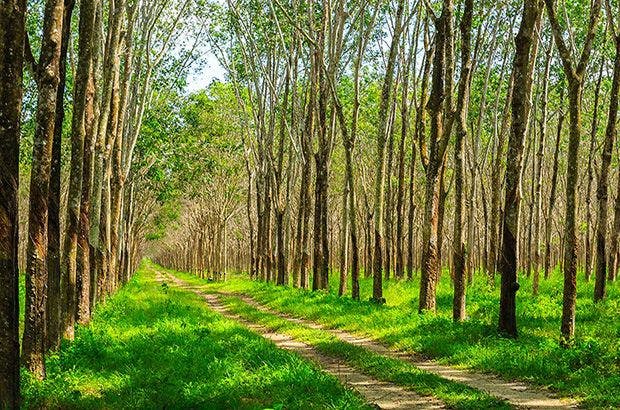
522	89
12	33
575	73
602	187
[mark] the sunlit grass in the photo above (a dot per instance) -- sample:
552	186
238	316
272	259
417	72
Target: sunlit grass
152	346
455	395
590	371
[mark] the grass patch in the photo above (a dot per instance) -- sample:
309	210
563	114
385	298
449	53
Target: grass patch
455	395
589	372
154	346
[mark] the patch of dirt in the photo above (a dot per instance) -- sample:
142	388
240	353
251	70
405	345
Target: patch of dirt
381	394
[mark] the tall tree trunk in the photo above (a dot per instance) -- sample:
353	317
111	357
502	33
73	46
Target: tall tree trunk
54	298
34	339
458	305
601	191
434	161
383	129
553	189
83	265
523	60
575	75
538	197
12	34
588	202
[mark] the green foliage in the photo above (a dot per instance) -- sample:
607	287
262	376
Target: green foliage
154	346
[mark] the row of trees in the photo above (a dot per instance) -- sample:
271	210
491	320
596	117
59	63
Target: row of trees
85	89
391	138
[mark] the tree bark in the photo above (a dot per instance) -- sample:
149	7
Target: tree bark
601	191
383	129
522	62
435	159
54	306
575	75
12	34
459	255
34	338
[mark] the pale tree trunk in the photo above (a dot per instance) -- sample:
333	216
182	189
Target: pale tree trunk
553	189
12	33
538	197
588	202
420	134
34	339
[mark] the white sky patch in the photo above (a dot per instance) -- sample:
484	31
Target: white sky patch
201	76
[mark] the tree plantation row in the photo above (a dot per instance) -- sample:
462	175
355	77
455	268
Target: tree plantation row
397	140
391	139
76	79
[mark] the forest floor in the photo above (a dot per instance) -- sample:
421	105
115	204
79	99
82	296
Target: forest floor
376	339
157	346
172	340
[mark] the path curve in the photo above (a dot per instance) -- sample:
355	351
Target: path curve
381	394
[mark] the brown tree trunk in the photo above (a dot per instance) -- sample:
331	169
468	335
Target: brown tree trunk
458	304
12	33
553	190
438	107
522	62
54	306
383	130
601	191
84	283
588	200
575	75
34	339
538	197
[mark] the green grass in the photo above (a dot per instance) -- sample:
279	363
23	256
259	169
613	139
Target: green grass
589	372
154	346
455	395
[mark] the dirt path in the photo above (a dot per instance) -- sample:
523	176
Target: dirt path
381	394
518	394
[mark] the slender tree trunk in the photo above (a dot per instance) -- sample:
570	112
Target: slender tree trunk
458	305
12	33
538	197
383	129
601	191
593	140
522	62
575	75
34	339
438	107
553	190
83	265
54	304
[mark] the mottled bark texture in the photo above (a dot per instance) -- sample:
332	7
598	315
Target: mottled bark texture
34	339
532	11
575	76
12	23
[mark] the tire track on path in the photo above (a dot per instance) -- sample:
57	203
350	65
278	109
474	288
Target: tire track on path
381	394
518	394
